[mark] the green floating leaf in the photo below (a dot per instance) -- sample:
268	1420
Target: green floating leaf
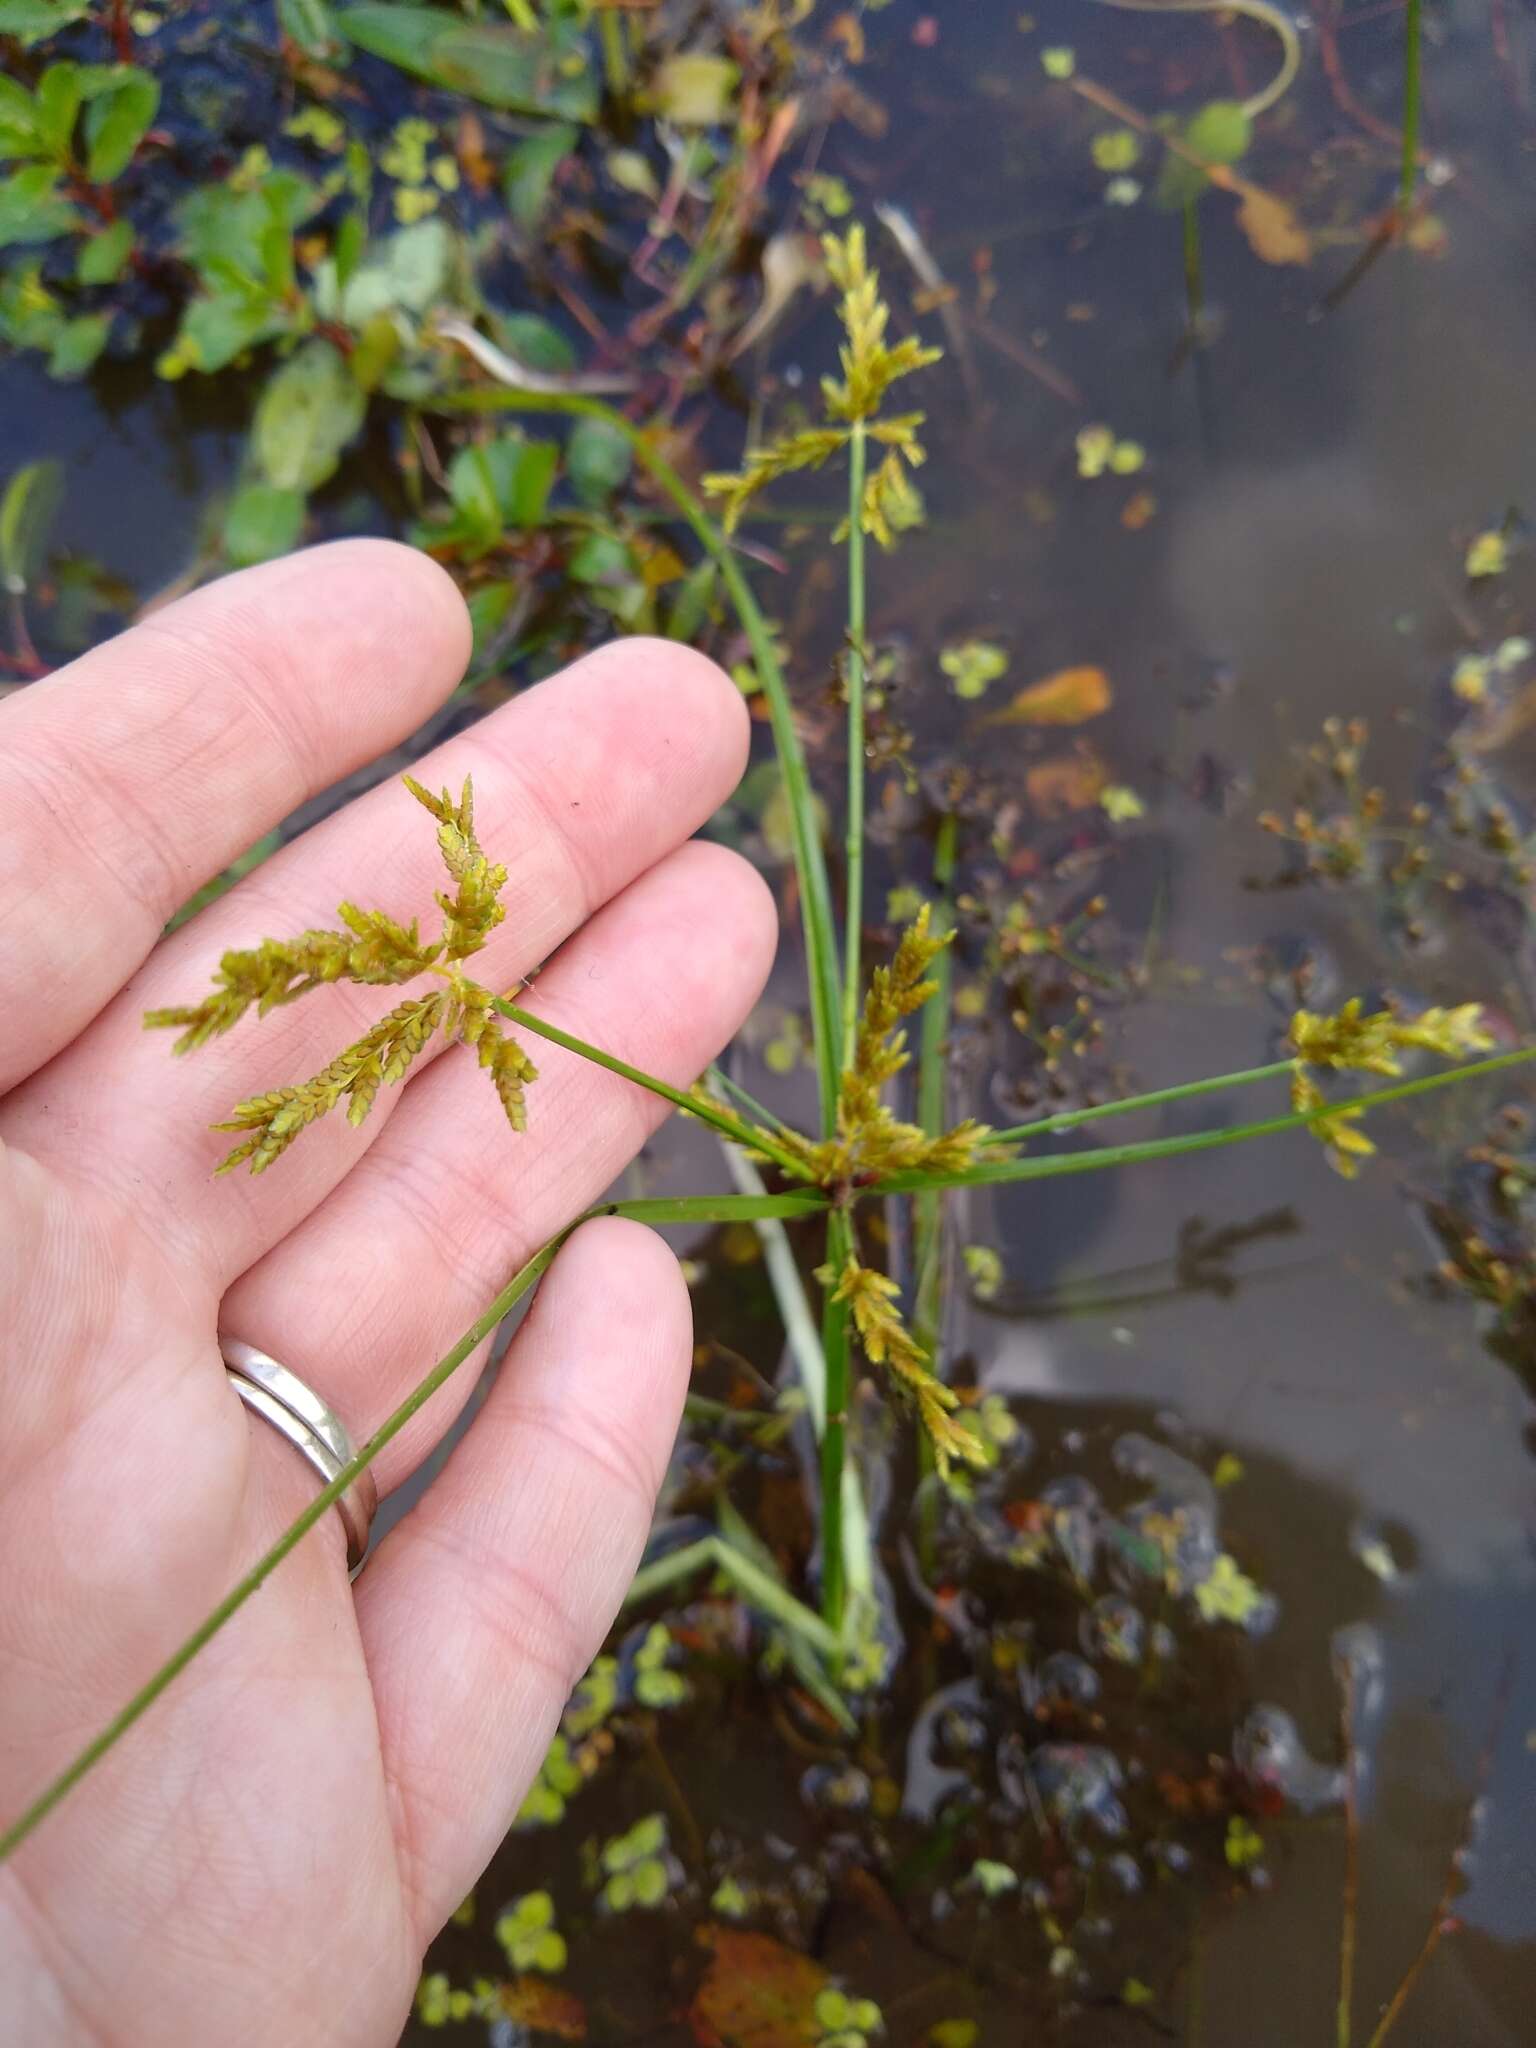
104	257
32	209
500	65
77	345
1219	133
309	411
27	512
116	123
263	521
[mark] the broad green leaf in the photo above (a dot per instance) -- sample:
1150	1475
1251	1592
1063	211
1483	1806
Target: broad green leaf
27	511
488	609
262	521
215	330
30	20
472	486
530	339
492	61
18	121
600	558
103	256
694	89
597	460
309	411
55	105
30	315
310	24
77	345
377	347
116	123
225	231
410	273
694	600
521	472
531	169
32	209
527	494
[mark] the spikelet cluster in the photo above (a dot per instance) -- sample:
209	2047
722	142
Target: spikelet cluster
887	1342
371	950
1369	1043
891	503
870	1141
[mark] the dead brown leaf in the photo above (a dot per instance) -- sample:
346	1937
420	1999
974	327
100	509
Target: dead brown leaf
1274	233
756	1993
1066	782
543	2008
1070	697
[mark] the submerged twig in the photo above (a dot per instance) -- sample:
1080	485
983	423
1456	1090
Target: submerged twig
1442	1921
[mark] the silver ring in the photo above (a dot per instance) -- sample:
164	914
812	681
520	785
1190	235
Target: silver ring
297	1412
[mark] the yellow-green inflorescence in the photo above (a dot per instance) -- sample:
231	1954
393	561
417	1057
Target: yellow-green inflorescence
870	365
372	951
1370	1043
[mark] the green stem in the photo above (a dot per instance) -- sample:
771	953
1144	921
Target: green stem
928	1207
750	1580
758	1111
1069	1119
931	1092
698	1106
1200	1141
853	915
610	31
1194	279
687	1209
1412	50
809	855
834	1348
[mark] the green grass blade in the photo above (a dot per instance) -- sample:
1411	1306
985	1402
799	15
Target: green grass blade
1200	1141
809	855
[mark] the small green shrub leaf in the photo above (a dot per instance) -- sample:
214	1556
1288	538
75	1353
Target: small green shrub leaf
116	123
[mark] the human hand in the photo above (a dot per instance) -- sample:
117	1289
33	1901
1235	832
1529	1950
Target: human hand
266	1854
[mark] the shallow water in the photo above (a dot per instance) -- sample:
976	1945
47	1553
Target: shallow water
1316	483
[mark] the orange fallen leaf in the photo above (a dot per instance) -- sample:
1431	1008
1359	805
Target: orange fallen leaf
1070	697
1274	233
543	2008
1066	782
756	1993
847	30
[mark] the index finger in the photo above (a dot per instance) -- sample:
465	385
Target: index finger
142	769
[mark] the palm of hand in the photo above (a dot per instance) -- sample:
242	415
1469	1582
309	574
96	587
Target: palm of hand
276	1842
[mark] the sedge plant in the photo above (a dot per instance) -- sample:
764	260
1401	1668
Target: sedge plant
861	1153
